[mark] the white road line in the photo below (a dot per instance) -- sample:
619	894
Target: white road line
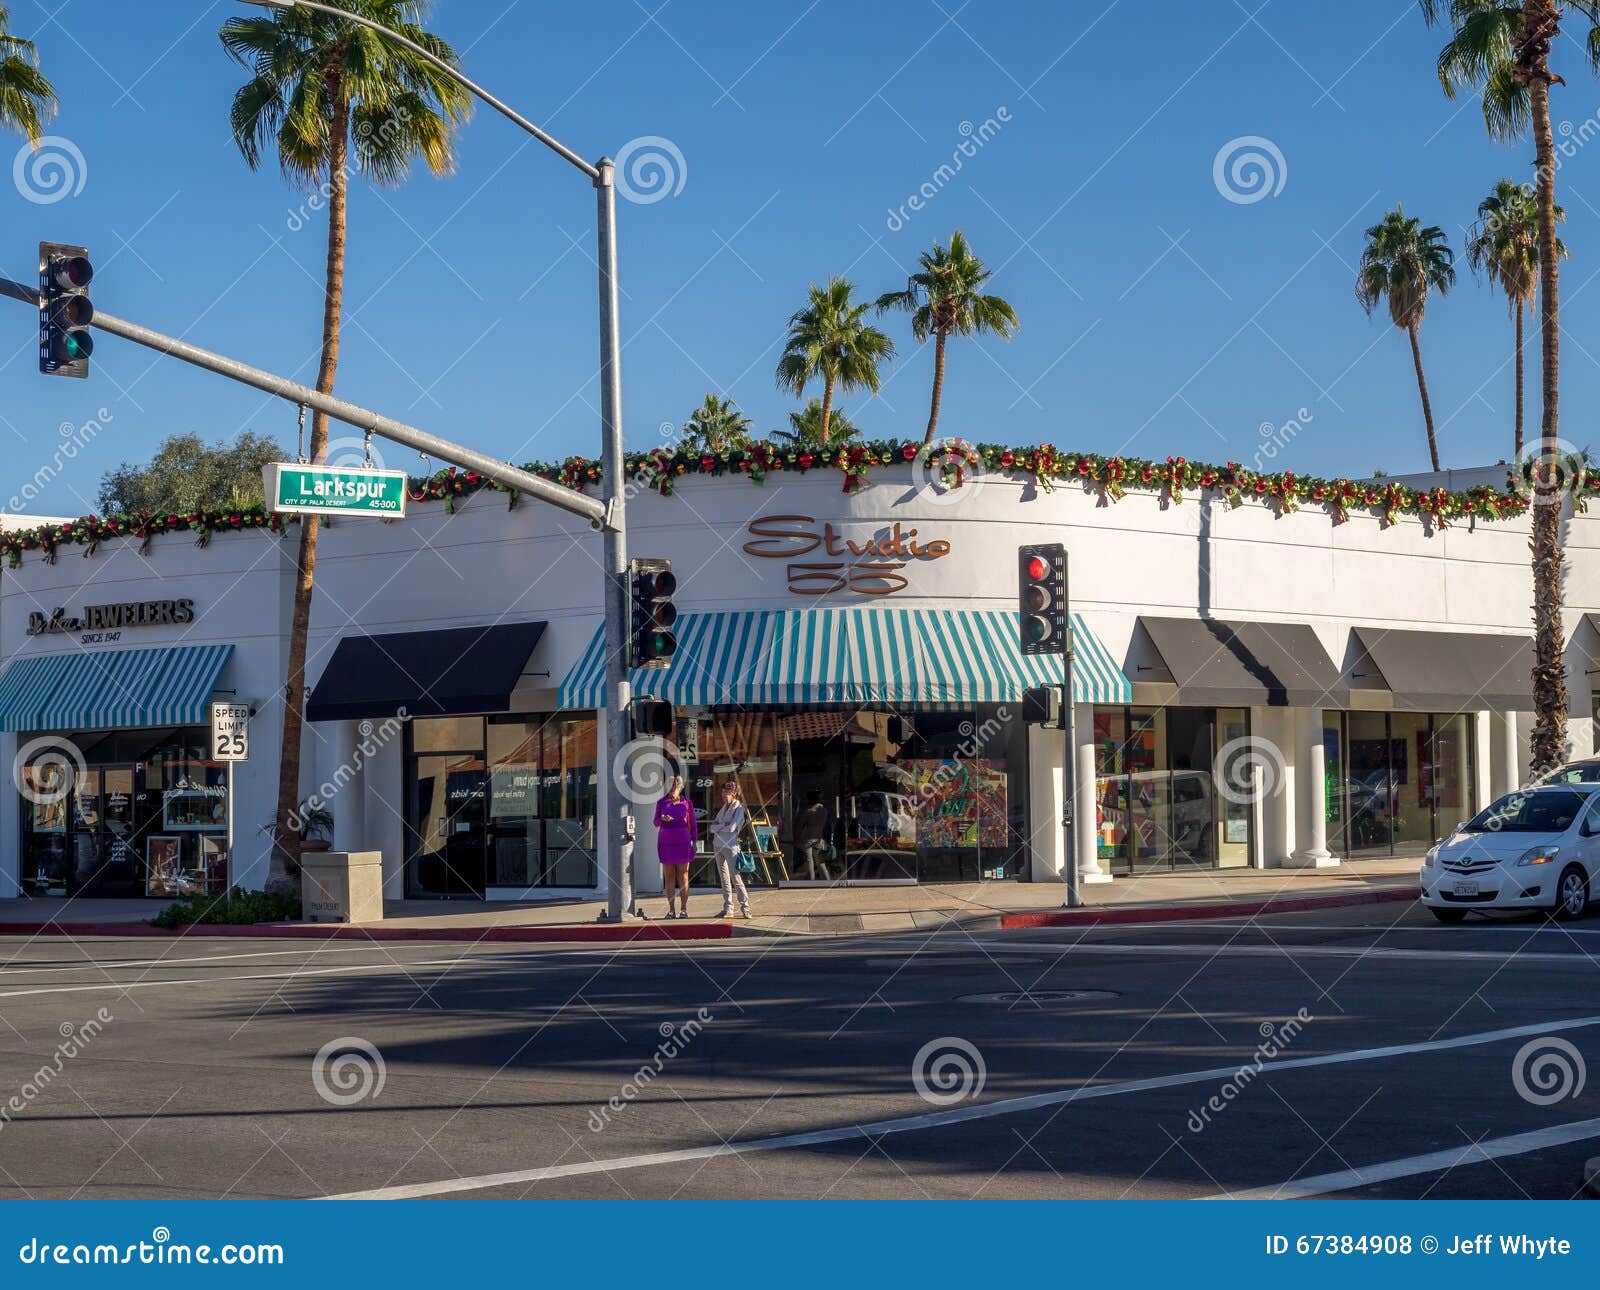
1067	949
954	1115
1517	1144
1504	929
79	965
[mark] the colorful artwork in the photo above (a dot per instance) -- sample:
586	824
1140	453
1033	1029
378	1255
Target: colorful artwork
960	803
165	872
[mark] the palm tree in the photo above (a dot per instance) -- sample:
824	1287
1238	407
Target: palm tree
830	339
945	299
326	95
1501	49
1402	262
716	426
805	427
27	99
1504	247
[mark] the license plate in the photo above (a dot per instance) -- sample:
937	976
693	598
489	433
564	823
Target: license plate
1465	889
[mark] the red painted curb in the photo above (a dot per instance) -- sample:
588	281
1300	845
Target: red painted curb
1179	913
343	931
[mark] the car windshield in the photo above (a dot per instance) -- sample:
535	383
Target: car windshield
1579	772
1543	811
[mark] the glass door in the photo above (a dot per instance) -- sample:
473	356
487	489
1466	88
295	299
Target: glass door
107	839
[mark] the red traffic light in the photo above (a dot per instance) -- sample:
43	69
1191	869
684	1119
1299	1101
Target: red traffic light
72	272
1038	567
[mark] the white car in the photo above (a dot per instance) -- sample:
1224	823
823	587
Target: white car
1537	848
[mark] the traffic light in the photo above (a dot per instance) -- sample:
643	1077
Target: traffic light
64	310
654	642
1042	598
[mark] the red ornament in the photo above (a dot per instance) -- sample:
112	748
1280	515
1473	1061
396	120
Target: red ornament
909	452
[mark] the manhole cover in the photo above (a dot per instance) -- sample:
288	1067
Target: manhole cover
1039	996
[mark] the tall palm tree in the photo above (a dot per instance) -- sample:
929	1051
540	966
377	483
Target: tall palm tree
830	339
1401	263
27	99
1504	247
327	95
715	426
946	298
1501	49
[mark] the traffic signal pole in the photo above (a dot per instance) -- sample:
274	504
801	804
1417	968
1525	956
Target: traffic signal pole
349	413
1070	806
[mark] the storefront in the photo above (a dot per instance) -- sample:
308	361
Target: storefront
1250	689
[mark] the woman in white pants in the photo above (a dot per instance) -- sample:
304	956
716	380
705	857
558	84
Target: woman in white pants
725	833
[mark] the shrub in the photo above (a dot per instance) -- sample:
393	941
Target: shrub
238	906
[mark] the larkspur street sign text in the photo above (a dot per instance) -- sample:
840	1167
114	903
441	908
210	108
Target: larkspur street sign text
337	490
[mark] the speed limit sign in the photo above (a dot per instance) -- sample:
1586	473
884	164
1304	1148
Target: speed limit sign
230	731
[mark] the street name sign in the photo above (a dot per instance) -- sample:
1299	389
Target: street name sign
230	731
337	490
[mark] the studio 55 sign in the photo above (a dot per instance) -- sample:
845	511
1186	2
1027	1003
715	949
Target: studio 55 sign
869	564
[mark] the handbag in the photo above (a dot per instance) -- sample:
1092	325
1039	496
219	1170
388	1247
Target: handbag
745	863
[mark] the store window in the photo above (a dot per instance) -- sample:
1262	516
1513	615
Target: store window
147	816
1172	788
1397	782
864	795
501	802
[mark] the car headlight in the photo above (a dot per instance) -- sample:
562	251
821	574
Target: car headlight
1427	860
1538	855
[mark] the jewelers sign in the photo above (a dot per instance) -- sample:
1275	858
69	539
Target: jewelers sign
338	490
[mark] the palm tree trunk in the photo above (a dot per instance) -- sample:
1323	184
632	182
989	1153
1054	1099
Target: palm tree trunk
1549	668
827	411
938	385
285	873
1427	407
1516	454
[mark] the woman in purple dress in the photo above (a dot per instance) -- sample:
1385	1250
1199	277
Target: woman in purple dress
676	834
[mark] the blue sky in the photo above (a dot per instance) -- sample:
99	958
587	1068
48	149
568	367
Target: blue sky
1159	317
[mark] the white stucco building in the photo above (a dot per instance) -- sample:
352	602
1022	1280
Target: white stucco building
1251	688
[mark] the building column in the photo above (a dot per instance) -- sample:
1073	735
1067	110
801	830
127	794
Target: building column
1272	731
1046	846
1310	793
1508	753
1086	834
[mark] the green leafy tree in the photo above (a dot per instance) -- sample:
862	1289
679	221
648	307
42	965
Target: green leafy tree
1401	264
716	426
1504	247
326	95
805	427
1501	50
831	341
946	298
27	99
189	474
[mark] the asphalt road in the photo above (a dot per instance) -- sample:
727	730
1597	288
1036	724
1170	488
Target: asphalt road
1363	1052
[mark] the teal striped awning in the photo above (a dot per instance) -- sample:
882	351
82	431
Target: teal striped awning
112	690
944	657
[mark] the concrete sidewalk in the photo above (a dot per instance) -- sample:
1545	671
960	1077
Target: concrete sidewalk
806	910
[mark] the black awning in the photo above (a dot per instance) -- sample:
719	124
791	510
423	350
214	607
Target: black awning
1245	664
444	673
1453	671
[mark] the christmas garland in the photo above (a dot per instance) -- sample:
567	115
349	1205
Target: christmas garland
949	463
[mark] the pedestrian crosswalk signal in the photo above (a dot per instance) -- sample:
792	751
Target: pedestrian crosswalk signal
64	310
